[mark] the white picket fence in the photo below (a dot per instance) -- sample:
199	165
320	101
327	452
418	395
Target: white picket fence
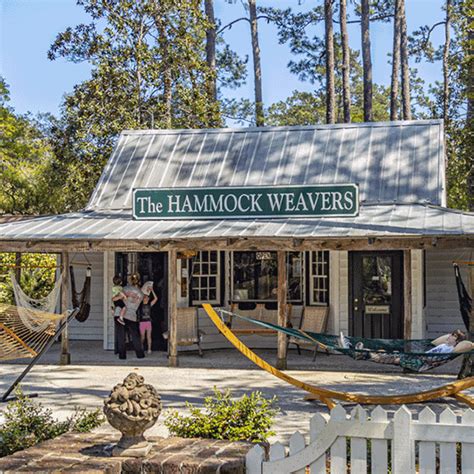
359	443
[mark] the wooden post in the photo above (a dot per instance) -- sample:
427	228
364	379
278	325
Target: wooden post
407	295
172	309
65	358
18	266
282	309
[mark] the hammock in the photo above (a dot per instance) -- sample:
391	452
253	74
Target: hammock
465	301
327	396
28	308
407	353
17	339
81	299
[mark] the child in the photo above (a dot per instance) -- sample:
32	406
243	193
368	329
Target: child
145	315
118	298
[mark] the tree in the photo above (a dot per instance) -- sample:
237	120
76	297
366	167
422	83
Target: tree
329	42
406	101
394	83
150	67
257	69
211	49
366	60
26	163
346	88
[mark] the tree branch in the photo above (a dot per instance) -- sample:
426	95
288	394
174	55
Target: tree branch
244	18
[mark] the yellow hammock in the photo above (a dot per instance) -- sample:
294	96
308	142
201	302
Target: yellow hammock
328	396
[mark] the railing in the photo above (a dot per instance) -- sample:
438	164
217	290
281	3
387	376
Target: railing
363	442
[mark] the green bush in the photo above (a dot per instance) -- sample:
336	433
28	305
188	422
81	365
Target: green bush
35	282
27	423
246	419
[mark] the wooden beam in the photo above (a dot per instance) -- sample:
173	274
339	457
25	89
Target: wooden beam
407	296
172	309
282	309
240	243
65	357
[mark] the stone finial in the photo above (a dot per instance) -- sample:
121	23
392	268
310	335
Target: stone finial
132	407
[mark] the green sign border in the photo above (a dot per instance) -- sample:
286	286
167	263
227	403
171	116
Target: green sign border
267	188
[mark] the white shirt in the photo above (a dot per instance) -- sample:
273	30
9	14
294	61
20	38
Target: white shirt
442	348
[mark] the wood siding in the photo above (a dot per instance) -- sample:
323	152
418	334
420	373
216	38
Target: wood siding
442	307
93	328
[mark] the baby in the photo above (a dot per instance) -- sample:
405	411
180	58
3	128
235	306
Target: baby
118	298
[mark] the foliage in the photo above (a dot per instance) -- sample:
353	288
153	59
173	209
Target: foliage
246	419
26	162
458	133
35	282
28	423
149	71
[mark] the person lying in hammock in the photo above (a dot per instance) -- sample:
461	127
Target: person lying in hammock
415	362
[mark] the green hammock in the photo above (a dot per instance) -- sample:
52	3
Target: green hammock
410	354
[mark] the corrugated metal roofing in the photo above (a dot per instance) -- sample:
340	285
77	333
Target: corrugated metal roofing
373	221
400	162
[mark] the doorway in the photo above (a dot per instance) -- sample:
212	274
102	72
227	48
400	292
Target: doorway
376	294
152	266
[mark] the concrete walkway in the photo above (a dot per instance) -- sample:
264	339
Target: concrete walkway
94	372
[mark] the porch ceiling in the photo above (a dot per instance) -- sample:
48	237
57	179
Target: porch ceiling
373	222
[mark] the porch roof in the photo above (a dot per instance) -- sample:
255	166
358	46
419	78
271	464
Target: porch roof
373	221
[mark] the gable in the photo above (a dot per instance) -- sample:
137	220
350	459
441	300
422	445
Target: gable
393	162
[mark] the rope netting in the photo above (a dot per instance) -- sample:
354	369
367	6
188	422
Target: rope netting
17	339
29	308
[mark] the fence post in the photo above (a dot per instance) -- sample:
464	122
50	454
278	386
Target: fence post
254	460
402	446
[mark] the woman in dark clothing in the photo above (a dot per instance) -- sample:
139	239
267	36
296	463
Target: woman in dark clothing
134	298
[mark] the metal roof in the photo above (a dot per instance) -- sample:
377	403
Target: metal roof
373	221
400	162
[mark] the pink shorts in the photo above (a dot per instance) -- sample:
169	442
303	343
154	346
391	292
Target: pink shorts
145	326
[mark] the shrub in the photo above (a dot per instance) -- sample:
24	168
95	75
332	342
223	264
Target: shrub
246	419
27	423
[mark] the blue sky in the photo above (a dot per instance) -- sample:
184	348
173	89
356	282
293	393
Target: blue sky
28	27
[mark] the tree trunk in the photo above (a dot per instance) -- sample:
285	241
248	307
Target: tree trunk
394	85
165	69
470	110
406	105
447	45
211	50
366	60
257	71
346	86
329	38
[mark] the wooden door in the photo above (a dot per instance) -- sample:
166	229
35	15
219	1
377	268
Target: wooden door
376	294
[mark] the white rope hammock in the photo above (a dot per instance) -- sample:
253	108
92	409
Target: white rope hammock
28	307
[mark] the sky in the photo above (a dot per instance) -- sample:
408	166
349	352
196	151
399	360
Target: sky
29	27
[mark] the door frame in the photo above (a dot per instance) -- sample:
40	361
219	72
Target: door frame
400	283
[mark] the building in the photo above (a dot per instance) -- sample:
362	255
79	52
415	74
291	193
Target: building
377	247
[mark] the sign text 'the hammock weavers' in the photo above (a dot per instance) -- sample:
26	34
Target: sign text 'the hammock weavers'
246	202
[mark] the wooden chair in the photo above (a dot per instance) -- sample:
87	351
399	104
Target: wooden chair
313	319
242	327
188	328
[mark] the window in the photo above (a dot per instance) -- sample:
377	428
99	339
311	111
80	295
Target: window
205	283
255	276
319	278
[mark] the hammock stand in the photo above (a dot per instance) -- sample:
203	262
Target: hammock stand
328	396
69	316
465	308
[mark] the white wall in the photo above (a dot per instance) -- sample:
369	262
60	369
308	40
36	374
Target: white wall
442	306
93	327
